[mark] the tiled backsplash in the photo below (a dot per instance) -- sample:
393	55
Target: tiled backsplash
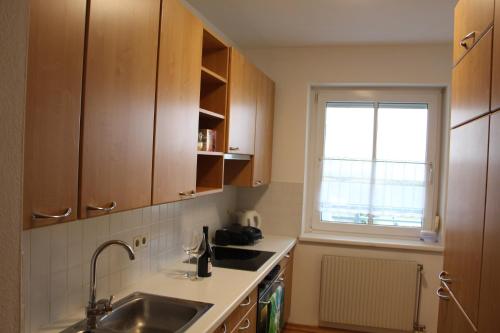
56	259
279	204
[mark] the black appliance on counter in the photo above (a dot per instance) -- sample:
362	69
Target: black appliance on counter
235	258
237	234
270	309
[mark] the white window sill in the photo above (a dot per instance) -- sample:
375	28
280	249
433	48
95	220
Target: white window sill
367	241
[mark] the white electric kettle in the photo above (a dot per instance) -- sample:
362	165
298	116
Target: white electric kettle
249	218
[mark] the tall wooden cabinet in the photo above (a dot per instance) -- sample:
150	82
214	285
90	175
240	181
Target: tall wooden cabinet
178	95
465	212
490	276
468	294
119	105
53	102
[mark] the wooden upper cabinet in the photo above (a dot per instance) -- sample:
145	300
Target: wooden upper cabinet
53	105
263	131
178	99
119	104
470	96
465	212
242	105
472	19
495	90
490	277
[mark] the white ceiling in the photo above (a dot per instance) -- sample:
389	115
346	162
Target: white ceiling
280	23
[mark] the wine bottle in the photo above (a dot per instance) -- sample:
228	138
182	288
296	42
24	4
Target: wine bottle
205	260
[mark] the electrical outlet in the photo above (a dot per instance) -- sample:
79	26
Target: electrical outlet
137	242
144	240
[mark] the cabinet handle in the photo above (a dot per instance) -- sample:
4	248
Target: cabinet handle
247	302
443	276
246	326
188	194
234	148
440	294
225	328
103	209
259	182
463	42
287	256
38	215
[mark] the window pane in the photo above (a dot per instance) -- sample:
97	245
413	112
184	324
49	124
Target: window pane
345	193
402	132
349	130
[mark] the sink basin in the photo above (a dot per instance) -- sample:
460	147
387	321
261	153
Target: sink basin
145	313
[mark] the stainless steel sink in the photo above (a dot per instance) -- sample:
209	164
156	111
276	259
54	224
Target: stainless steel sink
145	313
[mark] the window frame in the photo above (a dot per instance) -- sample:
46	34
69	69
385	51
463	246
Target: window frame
319	99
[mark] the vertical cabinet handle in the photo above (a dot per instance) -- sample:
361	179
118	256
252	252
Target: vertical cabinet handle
111	207
441	295
463	42
38	215
245	326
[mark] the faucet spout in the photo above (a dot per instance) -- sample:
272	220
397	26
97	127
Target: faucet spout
95	308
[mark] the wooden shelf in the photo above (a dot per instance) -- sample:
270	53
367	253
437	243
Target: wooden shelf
210	76
210	153
211	114
202	190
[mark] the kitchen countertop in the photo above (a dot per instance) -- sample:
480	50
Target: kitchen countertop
225	289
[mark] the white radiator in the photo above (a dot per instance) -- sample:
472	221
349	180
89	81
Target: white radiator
371	295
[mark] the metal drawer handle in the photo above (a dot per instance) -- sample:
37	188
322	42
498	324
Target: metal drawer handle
103	209
247	303
234	148
470	35
37	215
443	276
188	194
259	182
287	256
225	328
265	302
440	294
246	326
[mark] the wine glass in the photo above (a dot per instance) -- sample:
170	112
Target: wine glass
190	242
198	252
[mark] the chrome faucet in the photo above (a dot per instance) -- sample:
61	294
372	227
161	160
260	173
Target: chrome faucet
103	306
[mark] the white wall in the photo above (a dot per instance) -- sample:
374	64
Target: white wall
294	70
13	20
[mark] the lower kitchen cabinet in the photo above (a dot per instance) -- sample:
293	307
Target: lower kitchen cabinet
249	322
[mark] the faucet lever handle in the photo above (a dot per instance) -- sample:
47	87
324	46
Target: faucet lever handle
109	305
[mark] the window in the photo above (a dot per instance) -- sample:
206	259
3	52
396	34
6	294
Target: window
372	160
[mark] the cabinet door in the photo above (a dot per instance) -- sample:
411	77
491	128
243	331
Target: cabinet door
465	211
495	90
470	97
118	114
263	131
472	19
490	277
249	322
178	98
451	319
53	107
242	105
